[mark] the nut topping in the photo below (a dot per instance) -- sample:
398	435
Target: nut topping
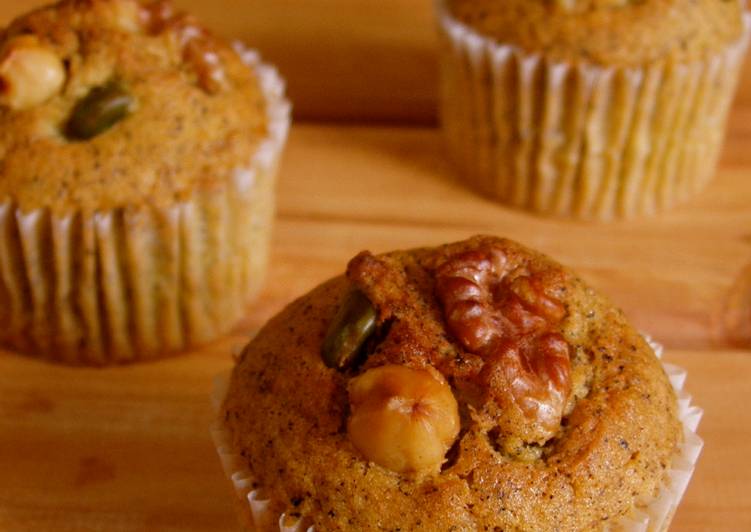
507	317
30	73
536	378
155	15
198	47
465	287
202	54
353	324
403	419
101	109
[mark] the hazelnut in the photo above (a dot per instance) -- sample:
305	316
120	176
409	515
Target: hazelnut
403	419
30	73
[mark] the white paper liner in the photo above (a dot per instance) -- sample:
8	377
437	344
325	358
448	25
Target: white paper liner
255	509
581	140
141	281
657	515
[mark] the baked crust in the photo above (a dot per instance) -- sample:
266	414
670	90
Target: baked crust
607	32
178	136
287	411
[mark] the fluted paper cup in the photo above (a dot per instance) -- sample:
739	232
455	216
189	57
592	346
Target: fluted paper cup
141	281
255	508
581	140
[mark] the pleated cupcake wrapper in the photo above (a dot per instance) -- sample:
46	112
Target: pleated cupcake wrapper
140	281
256	509
656	516
582	140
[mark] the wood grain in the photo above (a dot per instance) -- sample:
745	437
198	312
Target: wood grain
125	449
344	189
128	449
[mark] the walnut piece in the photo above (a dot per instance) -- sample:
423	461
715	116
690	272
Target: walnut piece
198	47
507	316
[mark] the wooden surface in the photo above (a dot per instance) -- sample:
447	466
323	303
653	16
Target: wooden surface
128	449
676	275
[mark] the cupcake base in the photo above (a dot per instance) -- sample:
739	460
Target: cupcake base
581	140
142	281
255	514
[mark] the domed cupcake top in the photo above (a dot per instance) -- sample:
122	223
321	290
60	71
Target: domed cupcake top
608	32
477	384
109	102
504	314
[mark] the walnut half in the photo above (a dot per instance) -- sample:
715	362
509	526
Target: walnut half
506	315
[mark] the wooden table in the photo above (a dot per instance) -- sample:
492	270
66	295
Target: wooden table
128	449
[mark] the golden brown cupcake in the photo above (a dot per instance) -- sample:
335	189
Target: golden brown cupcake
138	155
474	386
589	108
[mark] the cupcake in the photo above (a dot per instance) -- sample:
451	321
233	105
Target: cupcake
138	155
473	386
595	109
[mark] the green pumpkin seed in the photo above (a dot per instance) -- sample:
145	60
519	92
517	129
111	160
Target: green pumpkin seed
101	109
353	324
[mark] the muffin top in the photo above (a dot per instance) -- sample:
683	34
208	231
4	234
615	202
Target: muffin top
607	32
474	386
105	103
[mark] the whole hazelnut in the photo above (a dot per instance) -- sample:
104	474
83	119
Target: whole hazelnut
30	73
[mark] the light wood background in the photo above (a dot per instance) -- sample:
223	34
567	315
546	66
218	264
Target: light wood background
127	449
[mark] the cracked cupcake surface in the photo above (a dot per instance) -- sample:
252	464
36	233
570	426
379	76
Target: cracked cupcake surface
535	404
